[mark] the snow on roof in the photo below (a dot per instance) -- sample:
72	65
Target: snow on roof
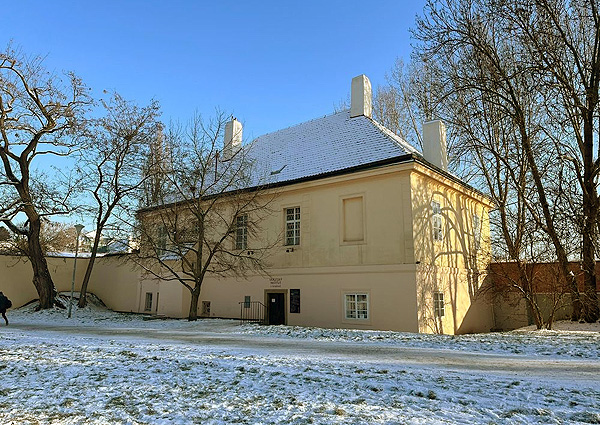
329	144
332	143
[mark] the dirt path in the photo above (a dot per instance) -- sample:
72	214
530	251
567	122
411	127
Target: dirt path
508	365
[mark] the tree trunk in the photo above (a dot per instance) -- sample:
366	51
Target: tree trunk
589	298
526	283
86	278
88	271
561	254
590	312
193	316
42	279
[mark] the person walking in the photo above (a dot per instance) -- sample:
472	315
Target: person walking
5	304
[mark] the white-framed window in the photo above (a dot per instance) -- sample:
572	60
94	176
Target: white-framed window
292	226
247	300
148	303
241	231
477	231
438	304
161	240
436	221
356	306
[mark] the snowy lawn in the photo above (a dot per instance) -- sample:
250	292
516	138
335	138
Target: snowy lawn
101	367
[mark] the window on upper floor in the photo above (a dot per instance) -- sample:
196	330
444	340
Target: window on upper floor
477	231
292	226
356	306
438	304
353	226
436	221
241	232
161	240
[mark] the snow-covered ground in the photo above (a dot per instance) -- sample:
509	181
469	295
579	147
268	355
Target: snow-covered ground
101	367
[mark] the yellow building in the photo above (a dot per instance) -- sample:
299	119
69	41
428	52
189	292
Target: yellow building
372	233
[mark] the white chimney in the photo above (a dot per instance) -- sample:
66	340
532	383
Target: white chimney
361	98
233	139
434	144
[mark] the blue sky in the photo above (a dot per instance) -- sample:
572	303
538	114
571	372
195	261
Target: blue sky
272	64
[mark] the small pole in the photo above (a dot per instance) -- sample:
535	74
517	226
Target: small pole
78	228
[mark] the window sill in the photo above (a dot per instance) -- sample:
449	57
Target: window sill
356	321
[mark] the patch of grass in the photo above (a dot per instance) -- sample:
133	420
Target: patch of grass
587	417
339	411
118	401
431	395
68	402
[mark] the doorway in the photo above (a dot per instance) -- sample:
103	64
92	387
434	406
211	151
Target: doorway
276	308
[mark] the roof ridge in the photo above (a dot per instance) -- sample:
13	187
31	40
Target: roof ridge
302	123
394	137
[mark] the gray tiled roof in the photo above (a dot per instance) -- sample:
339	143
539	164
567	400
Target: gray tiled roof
324	145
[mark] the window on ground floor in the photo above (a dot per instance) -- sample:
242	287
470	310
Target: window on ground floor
438	304
357	306
148	304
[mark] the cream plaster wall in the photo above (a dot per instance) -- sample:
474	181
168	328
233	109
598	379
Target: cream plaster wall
115	282
397	261
391	289
453	265
387	218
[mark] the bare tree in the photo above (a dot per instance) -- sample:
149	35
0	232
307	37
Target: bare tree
155	169
55	237
408	99
563	38
111	168
497	90
4	234
208	221
39	117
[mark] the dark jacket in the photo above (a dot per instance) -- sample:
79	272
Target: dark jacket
4	302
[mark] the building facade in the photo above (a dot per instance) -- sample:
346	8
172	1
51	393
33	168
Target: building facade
368	233
371	233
